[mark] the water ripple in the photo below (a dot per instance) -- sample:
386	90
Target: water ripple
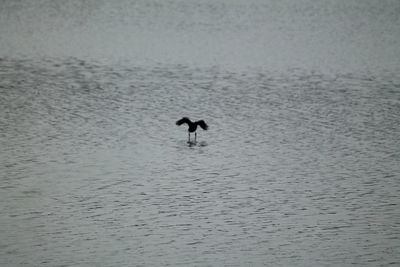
297	168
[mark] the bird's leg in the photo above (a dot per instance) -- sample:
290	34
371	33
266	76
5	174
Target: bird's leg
195	136
188	137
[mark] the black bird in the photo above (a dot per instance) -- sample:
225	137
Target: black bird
192	125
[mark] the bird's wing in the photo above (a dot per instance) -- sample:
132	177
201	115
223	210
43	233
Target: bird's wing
202	124
183	120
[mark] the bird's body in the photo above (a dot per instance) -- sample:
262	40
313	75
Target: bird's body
192	125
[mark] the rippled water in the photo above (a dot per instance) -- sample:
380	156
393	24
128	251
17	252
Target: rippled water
297	169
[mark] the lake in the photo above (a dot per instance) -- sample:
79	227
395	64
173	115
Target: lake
299	166
296	168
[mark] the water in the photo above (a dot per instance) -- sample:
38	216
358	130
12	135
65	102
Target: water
296	169
340	35
300	165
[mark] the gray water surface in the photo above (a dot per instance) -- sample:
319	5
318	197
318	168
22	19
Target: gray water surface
300	165
297	169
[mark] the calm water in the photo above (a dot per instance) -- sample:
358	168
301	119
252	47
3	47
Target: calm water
297	169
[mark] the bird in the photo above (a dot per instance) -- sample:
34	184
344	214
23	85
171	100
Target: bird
192	126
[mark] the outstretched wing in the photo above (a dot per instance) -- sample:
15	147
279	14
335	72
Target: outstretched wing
202	124
183	120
